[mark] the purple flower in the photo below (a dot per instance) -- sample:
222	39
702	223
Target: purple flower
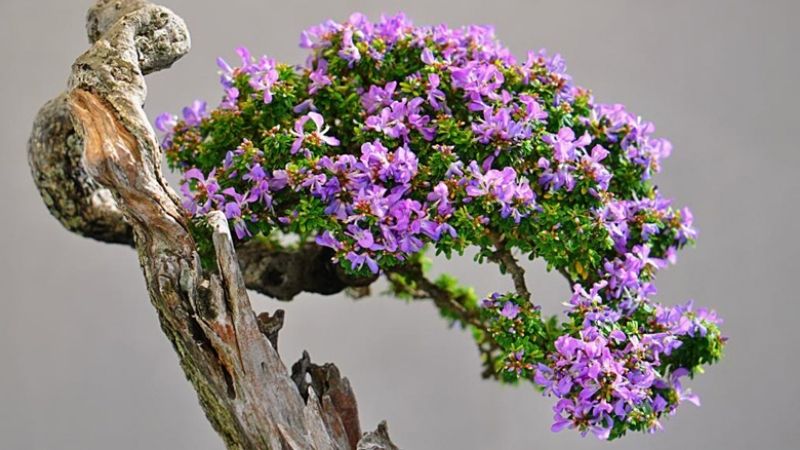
375	157
440	199
478	80
592	167
427	56
195	113
363	238
263	77
510	310
685	231
349	52
319	77
516	199
434	230
683	394
260	188
564	144
499	126
399	118
247	59
326	239
683	320
532	110
403	165
316	137
378	97
390	121
315	37
230	99
233	208
226	73
240	229
166	122
582	299
493	182
359	259
436	97
556	176
200	193
642	252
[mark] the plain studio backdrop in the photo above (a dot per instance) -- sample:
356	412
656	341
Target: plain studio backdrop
84	365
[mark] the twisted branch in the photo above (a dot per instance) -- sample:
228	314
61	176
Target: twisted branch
427	289
450	305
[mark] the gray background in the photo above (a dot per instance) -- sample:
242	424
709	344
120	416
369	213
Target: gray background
83	364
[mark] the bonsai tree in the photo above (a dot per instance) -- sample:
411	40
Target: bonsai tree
392	142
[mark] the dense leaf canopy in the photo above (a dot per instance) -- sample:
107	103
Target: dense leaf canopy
394	138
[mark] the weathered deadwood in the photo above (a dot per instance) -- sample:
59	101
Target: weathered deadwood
243	387
77	201
325	382
377	440
270	325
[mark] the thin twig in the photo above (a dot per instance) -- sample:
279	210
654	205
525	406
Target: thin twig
426	289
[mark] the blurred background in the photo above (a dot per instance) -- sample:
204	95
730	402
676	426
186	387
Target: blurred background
84	365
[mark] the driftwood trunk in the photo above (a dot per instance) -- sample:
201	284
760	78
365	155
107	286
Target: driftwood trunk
96	162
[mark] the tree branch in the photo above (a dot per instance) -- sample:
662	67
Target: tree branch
224	350
509	264
427	289
282	273
449	306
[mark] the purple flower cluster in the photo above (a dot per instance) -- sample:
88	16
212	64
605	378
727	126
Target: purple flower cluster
639	220
684	320
398	118
203	193
262	74
371	196
603	379
605	376
634	135
167	123
516	198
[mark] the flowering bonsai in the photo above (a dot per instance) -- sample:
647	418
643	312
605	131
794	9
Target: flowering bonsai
391	142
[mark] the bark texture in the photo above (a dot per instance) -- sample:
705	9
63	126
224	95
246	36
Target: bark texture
101	177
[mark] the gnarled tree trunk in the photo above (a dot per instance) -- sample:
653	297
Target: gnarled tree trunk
96	162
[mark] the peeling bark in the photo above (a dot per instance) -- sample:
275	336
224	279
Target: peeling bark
77	201
102	178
